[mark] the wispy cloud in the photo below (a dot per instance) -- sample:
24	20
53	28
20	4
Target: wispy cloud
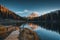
24	11
48	11
19	12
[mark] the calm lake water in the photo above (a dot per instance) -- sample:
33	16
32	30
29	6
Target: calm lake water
43	33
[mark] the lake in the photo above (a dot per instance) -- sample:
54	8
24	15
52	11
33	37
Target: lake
42	32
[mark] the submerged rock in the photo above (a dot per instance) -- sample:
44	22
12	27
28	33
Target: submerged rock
27	34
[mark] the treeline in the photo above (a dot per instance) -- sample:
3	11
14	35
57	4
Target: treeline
7	14
50	20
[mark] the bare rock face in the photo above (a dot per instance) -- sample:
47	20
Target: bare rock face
33	15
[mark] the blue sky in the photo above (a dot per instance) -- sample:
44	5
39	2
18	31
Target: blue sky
26	7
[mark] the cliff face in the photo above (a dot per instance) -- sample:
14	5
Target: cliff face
33	15
7	14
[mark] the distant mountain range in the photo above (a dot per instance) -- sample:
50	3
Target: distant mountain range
52	16
50	20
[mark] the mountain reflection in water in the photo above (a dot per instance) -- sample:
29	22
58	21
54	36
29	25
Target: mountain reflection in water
42	33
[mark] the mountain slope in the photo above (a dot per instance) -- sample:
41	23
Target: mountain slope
8	17
7	14
50	20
